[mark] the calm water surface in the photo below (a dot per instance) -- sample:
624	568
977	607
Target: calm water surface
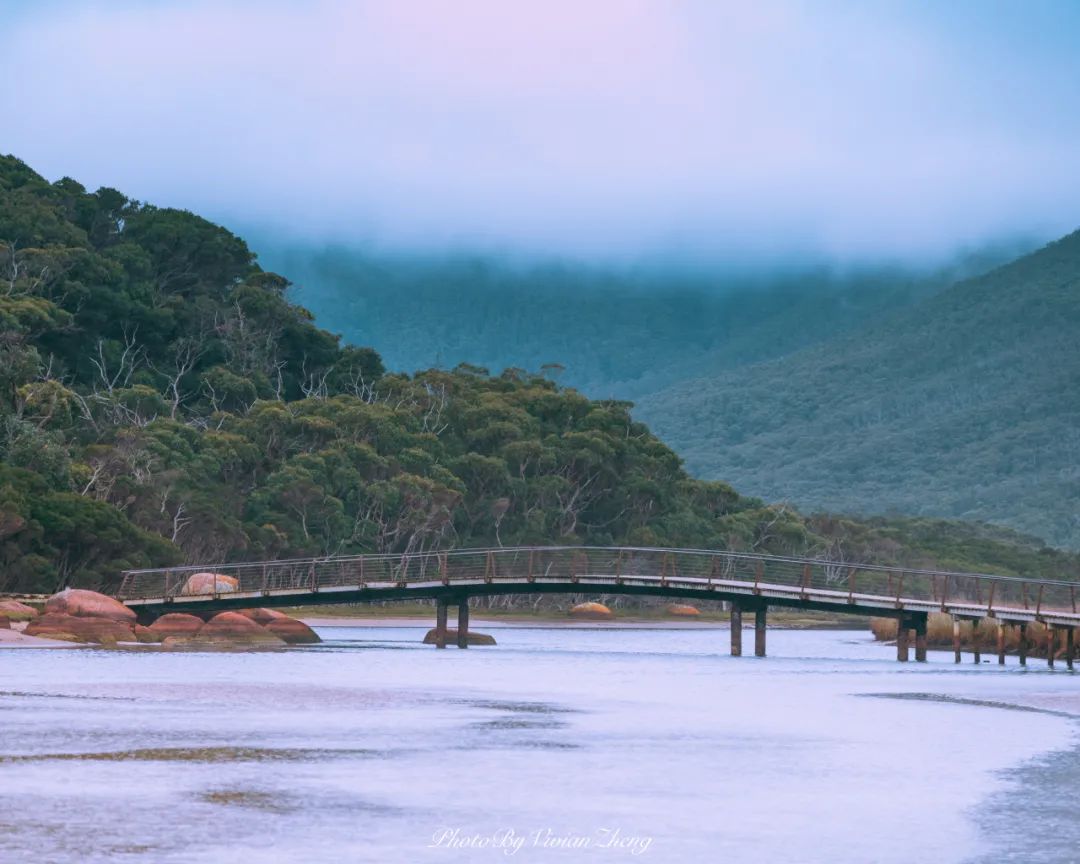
558	745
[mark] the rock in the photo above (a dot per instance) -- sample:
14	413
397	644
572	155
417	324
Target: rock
80	603
592	611
451	637
4	623
293	632
176	624
210	583
683	610
283	626
13	610
264	616
146	635
72	628
226	630
236	628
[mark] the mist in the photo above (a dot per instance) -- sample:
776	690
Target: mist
607	132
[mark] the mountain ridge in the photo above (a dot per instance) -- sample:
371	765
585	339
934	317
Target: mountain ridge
163	401
962	406
680	322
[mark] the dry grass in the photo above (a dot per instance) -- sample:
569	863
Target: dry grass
939	633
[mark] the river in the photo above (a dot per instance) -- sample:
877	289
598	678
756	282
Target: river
556	745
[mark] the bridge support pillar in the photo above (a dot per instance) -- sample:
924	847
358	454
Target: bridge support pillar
440	623
1051	645
956	639
760	616
736	629
1023	645
1070	647
903	635
905	623
463	623
976	653
920	638
1001	643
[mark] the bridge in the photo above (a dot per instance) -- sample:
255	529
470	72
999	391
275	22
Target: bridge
750	583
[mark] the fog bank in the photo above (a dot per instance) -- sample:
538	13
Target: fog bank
603	131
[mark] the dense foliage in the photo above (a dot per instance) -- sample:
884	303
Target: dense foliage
965	406
161	400
164	401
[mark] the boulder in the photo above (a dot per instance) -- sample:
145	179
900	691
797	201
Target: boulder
451	637
210	583
592	611
236	628
176	624
72	628
146	635
291	631
13	610
264	616
80	603
683	610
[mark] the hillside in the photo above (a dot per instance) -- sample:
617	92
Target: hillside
162	401
614	331
966	405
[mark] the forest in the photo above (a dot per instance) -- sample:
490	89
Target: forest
962	405
163	400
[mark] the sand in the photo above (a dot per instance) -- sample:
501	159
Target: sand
17	639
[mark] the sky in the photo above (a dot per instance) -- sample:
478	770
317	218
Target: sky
607	129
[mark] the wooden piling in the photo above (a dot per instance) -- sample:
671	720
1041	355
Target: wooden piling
463	623
736	629
440	623
760	616
956	639
1070	647
1001	643
976	654
920	638
1051	645
903	634
1023	645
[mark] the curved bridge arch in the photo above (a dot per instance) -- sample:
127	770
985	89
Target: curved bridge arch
747	581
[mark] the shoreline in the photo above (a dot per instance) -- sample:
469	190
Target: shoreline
17	639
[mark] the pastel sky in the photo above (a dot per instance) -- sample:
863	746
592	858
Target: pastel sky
596	128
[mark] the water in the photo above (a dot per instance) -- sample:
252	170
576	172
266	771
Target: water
557	745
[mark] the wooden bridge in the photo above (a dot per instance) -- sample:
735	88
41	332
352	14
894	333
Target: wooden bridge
750	583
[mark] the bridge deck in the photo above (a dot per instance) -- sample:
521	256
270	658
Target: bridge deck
807	583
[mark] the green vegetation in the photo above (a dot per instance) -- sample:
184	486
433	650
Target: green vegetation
161	400
963	406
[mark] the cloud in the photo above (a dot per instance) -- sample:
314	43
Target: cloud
612	128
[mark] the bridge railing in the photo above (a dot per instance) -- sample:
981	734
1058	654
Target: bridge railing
673	567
